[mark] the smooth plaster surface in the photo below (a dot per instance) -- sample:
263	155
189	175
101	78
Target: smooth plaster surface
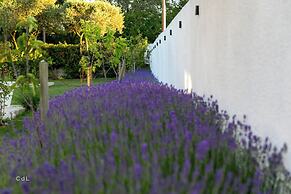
238	51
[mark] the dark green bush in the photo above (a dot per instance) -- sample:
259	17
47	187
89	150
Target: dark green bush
27	98
21	67
27	91
66	57
69	38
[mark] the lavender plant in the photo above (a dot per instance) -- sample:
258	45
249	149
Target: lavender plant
138	136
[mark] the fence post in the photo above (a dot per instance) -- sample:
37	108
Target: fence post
43	77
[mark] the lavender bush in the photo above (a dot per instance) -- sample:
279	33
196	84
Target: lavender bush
138	136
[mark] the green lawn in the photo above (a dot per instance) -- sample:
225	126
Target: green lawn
60	87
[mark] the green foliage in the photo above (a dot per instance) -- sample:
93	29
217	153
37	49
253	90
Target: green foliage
26	99
85	60
28	91
146	22
8	18
26	8
16	11
105	51
64	56
52	19
144	17
97	24
101	49
110	51
30	23
137	49
141	17
92	50
115	48
28	45
103	14
5	54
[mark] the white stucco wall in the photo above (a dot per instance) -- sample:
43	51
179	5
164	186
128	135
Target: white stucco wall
240	52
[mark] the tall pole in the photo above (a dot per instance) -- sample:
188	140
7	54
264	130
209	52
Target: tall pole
164	18
43	77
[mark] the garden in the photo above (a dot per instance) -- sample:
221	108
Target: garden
138	136
112	127
78	39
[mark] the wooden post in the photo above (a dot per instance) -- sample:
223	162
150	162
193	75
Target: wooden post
43	77
164	20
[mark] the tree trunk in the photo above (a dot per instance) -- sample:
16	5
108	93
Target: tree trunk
43	35
116	73
14	68
13	35
5	36
81	43
87	45
121	70
26	51
89	76
104	71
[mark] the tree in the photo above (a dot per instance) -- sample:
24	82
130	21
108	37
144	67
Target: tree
8	22
117	46
27	8
51	20
137	48
15	13
31	8
113	51
27	42
100	13
8	19
144	17
8	55
92	56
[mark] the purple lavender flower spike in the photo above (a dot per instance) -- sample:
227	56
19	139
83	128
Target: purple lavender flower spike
202	149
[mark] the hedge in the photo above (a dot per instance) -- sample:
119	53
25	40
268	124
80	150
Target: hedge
66	57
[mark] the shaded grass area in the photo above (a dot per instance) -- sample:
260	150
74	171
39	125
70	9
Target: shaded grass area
60	87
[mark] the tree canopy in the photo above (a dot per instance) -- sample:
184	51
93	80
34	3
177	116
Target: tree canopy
144	17
101	13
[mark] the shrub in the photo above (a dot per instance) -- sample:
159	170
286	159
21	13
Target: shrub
136	55
27	93
66	57
33	64
137	136
27	99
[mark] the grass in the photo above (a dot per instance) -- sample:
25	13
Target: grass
60	87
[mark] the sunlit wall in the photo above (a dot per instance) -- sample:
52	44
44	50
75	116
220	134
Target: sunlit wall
238	51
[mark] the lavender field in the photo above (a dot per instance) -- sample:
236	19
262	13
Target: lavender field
138	136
